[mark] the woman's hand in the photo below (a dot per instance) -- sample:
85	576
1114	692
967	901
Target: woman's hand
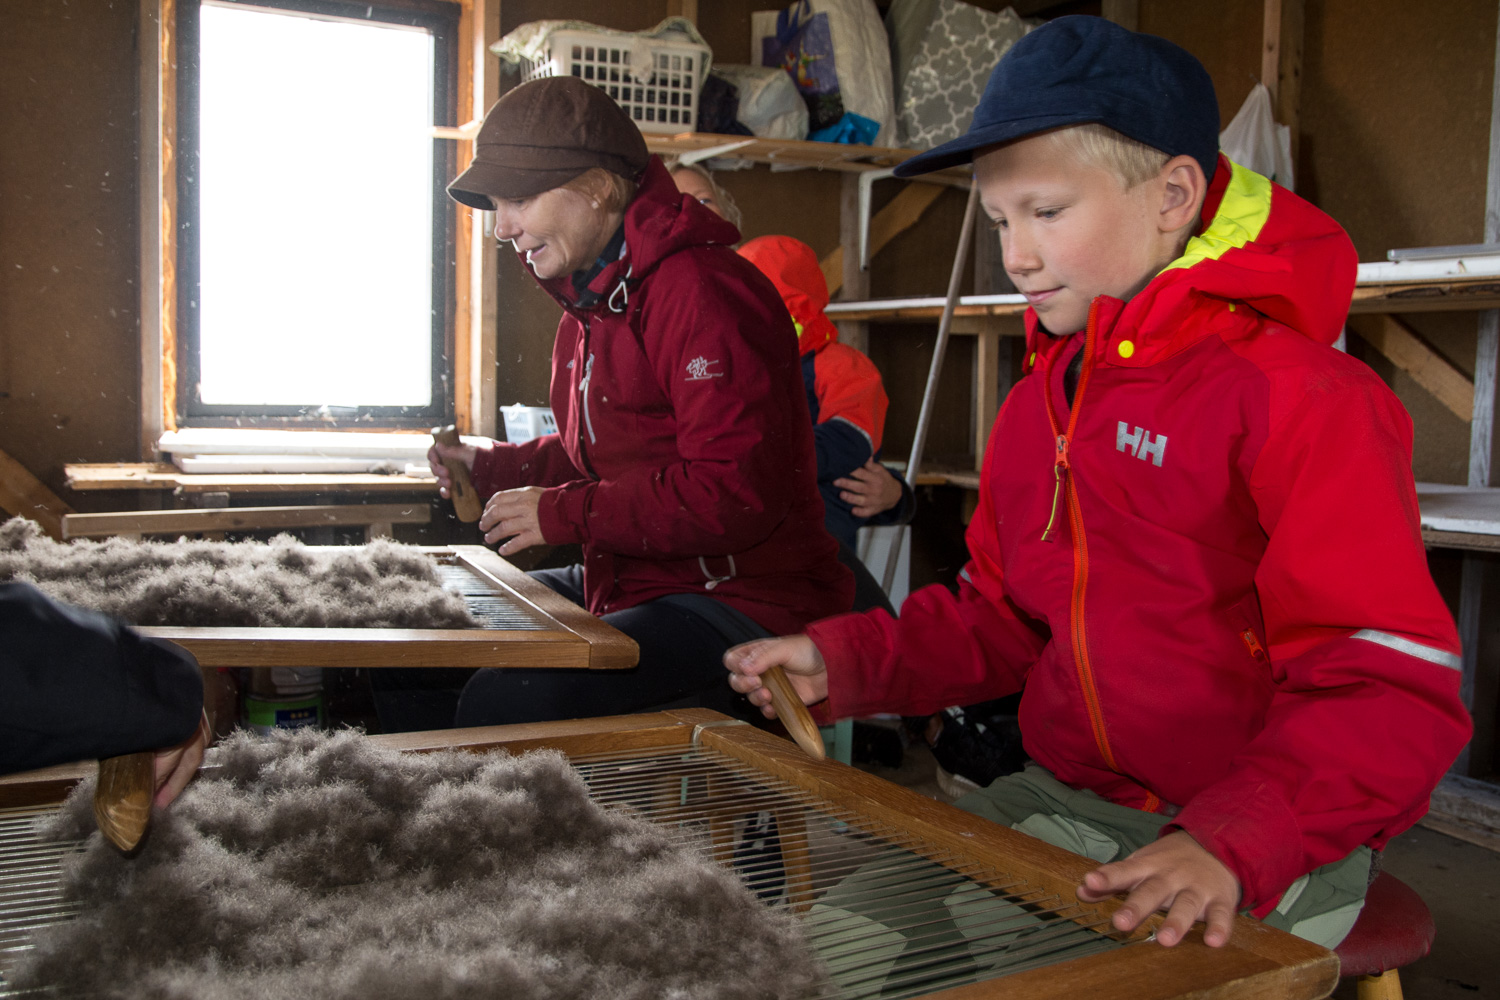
1175	874
175	766
796	654
512	513
869	489
435	455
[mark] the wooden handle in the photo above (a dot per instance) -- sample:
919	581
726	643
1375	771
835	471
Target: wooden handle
465	501
793	714
122	798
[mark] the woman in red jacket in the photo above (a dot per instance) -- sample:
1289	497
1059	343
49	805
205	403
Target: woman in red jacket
683	463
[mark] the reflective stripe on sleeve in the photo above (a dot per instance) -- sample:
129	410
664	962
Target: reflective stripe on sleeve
1441	657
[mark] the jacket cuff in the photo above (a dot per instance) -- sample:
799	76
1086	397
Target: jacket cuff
562	513
1254	833
841	641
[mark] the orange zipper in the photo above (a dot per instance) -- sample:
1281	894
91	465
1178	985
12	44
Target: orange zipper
1062	469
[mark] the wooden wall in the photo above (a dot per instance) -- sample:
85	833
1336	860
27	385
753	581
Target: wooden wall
1395	116
68	306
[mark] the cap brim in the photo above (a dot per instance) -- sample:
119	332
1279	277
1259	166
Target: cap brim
961	150
484	181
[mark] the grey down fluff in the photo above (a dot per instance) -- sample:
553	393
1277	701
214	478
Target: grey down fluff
313	865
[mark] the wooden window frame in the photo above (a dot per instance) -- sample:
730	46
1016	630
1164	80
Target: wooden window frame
474	282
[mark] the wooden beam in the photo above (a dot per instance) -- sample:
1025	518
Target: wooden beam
683	8
847	274
24	495
1125	13
902	212
1430	370
1281	62
166	522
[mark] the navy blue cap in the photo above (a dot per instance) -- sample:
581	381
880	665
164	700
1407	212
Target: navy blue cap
1080	69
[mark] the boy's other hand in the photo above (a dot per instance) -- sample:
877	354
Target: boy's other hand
796	654
435	455
176	766
1175	874
869	489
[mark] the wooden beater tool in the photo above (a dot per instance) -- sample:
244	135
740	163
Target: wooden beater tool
122	797
465	501
792	713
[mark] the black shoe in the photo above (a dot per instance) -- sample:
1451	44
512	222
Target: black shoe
979	748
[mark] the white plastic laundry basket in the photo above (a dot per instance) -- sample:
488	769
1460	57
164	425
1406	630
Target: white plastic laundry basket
657	82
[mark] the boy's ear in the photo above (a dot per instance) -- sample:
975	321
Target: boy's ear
1183	191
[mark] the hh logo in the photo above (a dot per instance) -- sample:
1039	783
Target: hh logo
701	368
1140	443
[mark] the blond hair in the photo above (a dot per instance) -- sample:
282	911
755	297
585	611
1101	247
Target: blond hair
726	203
605	190
1101	146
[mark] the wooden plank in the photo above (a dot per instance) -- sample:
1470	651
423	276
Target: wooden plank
1281	62
1465	540
899	215
841	268
1431	371
801	153
1125	13
1438	295
161	522
86	477
24	495
149	206
988	351
167	241
683	8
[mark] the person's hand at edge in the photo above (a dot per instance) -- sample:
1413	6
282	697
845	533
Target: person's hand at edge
435	455
513	514
796	654
175	766
1175	874
869	489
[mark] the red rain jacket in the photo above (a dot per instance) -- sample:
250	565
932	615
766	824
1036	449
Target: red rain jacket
1232	614
683	461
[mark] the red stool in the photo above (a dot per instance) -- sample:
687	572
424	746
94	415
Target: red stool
1394	929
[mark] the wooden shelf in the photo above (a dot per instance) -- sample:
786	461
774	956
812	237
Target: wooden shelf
1431	295
803	154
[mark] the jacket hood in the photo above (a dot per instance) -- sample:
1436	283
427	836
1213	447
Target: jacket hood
659	221
1258	244
793	268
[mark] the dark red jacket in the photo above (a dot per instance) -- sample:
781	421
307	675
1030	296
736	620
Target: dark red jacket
1232	614
683	461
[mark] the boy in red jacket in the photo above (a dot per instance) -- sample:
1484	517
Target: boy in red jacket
1197	542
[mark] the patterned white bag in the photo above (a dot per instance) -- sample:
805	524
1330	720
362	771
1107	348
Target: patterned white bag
942	53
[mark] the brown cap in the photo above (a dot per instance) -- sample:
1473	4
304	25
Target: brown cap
543	134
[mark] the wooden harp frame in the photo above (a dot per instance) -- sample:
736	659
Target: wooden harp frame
1258	962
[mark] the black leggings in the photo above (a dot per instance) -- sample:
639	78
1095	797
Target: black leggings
682	640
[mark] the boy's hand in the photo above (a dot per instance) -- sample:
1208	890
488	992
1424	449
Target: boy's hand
1175	874
796	654
512	513
435	455
869	489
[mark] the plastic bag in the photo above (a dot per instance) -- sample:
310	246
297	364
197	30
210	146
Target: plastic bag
1254	140
769	103
837	55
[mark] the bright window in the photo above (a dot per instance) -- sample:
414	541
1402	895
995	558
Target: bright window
313	239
